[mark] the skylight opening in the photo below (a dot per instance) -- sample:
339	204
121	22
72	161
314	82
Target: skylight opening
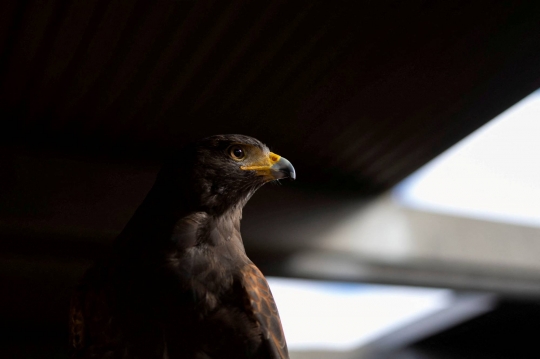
493	174
331	316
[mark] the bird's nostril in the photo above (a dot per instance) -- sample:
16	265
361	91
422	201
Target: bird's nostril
273	157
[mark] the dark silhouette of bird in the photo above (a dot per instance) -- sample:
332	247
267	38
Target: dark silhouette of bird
178	283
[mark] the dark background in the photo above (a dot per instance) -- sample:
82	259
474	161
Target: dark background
357	95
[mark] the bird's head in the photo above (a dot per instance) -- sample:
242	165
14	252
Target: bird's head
223	171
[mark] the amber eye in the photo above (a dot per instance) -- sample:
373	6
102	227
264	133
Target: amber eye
237	153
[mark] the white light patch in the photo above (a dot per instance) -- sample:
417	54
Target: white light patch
332	316
493	174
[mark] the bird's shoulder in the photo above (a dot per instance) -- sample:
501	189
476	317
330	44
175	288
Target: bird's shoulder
259	303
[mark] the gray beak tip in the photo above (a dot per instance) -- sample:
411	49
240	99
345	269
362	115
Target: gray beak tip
283	169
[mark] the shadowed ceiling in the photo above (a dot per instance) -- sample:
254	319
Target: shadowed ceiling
355	93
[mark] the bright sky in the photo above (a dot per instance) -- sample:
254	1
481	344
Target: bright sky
319	315
493	174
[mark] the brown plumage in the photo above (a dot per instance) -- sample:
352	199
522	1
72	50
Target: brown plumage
178	283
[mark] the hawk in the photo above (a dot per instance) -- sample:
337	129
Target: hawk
178	283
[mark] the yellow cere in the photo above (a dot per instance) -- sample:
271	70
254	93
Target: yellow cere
264	164
273	157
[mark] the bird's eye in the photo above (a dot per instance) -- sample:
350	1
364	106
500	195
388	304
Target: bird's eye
237	153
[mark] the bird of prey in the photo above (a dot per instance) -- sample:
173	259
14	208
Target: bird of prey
178	283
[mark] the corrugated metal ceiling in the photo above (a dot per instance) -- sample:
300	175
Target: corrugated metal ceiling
354	93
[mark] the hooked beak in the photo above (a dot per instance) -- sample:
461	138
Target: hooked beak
283	169
273	167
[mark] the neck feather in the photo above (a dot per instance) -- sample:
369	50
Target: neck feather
167	217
